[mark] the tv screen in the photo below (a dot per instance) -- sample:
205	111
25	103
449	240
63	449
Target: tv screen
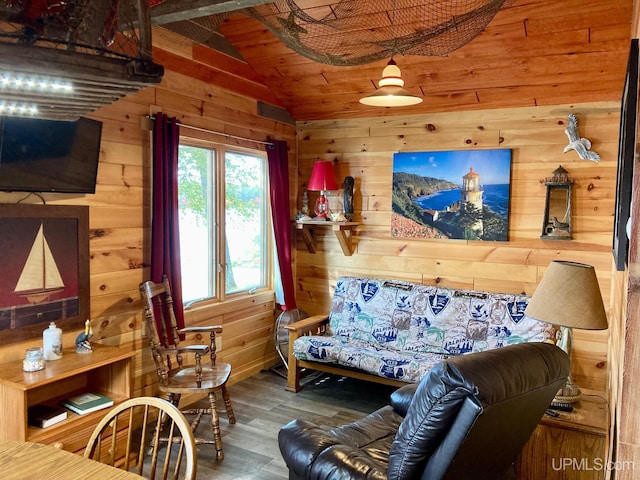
49	155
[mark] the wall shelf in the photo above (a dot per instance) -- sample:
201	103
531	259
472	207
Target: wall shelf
342	230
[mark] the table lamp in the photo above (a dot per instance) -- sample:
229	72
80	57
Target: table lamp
568	296
322	180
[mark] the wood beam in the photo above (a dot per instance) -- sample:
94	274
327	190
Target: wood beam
168	12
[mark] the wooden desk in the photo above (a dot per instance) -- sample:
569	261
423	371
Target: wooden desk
21	460
106	370
572	446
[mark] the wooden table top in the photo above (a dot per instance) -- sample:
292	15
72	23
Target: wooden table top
20	460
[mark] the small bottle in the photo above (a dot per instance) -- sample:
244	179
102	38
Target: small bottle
52	342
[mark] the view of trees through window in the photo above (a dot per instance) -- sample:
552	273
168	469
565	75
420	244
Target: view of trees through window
223	222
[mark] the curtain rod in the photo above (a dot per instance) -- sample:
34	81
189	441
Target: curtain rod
213	132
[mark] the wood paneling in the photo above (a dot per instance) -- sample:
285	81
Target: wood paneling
512	87
534	52
120	220
363	148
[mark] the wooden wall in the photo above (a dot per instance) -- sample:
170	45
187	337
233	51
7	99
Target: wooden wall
363	148
624	393
120	217
120	213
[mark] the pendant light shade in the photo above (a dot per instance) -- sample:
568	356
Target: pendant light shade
391	93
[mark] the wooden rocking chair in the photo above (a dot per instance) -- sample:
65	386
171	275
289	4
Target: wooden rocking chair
174	376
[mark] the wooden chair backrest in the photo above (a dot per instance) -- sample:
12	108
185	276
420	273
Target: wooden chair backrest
159	312
131	436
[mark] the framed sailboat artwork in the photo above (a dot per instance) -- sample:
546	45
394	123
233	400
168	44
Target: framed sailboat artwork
44	257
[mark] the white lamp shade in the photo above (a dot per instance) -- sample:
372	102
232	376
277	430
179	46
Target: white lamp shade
391	93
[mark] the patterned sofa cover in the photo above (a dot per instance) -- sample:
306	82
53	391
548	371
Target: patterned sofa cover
394	331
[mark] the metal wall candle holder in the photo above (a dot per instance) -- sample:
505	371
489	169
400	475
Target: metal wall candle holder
557	210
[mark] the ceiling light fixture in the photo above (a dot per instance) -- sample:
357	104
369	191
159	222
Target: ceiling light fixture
390	92
18	109
16	82
66	65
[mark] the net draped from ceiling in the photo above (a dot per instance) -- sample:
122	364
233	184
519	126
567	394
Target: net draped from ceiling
355	32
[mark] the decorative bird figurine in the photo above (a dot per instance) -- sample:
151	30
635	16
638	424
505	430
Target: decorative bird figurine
83	345
580	145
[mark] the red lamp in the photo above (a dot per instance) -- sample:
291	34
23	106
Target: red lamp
322	180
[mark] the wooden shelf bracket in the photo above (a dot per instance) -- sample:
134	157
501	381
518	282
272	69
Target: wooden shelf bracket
342	230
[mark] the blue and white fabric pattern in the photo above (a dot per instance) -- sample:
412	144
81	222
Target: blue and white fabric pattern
400	329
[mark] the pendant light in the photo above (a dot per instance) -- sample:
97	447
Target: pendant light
391	93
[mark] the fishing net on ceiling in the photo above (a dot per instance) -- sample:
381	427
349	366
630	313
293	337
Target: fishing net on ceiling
355	32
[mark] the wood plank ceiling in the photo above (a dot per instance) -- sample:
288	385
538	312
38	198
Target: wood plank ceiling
534	52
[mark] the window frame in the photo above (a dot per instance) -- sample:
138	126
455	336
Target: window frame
217	225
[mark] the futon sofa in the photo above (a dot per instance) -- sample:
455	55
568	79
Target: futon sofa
468	418
394	332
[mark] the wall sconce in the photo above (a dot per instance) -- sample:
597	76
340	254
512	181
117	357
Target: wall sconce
322	180
557	210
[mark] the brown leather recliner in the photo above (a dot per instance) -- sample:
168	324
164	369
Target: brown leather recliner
468	418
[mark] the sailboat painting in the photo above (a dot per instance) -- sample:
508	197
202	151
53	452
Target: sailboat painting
40	277
44	258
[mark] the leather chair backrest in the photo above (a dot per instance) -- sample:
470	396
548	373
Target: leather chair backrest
472	414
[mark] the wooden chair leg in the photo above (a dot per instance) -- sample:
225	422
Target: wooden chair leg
227	404
215	426
173	398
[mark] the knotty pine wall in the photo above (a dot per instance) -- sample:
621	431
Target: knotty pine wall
363	148
120	223
120	212
624	341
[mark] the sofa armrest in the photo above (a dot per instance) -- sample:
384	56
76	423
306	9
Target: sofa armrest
315	325
401	398
308	326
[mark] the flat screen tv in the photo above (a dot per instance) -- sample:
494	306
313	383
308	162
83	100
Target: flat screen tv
49	155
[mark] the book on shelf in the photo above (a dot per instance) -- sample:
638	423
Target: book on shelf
44	416
86	403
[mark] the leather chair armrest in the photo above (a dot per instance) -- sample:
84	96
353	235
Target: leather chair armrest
301	442
401	398
313	452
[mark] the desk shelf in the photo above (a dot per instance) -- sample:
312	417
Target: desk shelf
342	230
106	370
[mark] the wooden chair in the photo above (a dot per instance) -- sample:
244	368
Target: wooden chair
174	376
145	419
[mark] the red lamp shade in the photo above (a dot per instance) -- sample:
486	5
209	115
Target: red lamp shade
322	179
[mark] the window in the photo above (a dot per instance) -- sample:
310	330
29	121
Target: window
224	221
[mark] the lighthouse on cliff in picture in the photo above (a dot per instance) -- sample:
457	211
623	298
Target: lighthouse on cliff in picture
471	194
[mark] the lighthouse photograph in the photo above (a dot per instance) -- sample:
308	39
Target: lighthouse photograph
451	194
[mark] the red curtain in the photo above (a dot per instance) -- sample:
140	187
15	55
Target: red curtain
277	155
165	238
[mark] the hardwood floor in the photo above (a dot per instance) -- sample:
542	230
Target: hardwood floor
262	407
